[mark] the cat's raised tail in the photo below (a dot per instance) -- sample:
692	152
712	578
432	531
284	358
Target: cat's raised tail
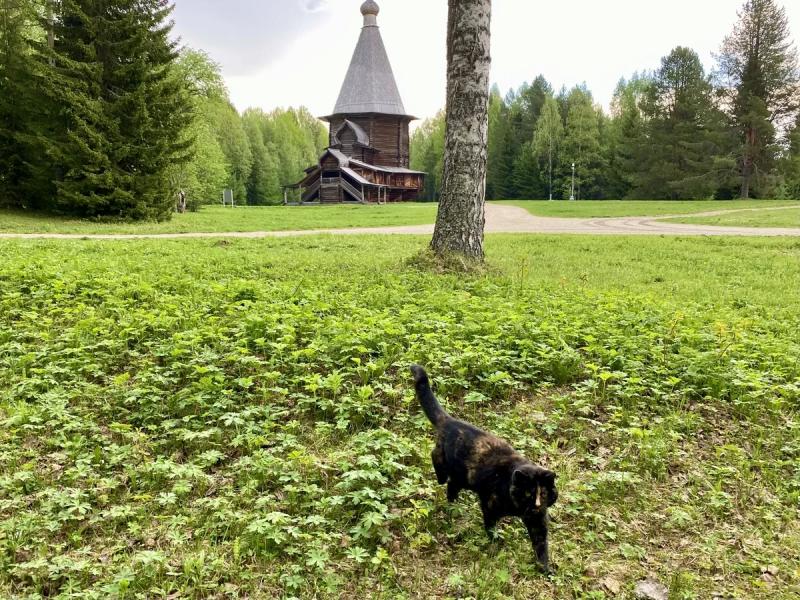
433	410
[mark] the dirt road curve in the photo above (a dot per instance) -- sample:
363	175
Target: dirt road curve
499	219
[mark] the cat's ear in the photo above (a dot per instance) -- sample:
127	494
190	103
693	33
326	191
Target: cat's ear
519	478
549	478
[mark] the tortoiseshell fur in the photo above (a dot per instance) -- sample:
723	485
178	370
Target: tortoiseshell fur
508	484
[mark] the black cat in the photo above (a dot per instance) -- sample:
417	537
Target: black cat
508	484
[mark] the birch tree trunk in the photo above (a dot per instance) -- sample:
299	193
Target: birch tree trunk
461	219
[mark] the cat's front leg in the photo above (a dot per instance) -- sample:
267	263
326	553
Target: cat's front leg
490	517
453	490
537	530
437	456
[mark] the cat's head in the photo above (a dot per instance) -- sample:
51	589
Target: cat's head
533	488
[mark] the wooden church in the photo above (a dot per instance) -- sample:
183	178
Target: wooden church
368	155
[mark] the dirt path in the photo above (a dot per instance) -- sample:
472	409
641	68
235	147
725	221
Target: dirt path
499	219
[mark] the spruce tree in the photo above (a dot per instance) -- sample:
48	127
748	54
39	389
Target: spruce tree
123	109
18	103
627	134
684	154
759	72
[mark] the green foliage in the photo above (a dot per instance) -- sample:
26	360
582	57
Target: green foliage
427	154
683	149
197	419
21	182
296	139
500	163
233	140
548	140
791	162
263	187
119	111
204	177
761	82
583	146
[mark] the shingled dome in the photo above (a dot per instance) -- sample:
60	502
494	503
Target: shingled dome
369	86
370	7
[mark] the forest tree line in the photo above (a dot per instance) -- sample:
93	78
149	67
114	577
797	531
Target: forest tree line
677	132
103	114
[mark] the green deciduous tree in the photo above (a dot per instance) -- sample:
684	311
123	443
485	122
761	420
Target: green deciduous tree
233	140
548	139
263	186
758	69
582	146
427	154
207	173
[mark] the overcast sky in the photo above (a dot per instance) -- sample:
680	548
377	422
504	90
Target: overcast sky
296	52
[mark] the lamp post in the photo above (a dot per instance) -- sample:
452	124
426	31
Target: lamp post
572	194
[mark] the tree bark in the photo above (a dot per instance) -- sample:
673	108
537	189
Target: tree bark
461	219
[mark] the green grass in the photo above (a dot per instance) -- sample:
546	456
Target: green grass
635	208
234	418
214	219
766	218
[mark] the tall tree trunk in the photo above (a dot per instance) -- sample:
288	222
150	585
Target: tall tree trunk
747	161
461	219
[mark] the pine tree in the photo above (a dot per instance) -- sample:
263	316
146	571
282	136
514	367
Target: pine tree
759	70
122	109
684	155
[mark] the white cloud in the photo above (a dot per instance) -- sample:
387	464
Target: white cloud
315	5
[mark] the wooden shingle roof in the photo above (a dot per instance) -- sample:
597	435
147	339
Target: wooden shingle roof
370	86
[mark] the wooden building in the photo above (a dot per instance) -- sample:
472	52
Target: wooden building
368	155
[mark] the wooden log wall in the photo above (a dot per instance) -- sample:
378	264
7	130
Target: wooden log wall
388	135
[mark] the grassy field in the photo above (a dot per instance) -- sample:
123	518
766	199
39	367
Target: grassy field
212	419
636	208
213	219
762	218
216	219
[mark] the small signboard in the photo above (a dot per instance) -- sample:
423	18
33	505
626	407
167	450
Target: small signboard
227	198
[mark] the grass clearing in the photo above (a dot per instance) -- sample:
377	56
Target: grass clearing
216	219
766	218
234	418
635	208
